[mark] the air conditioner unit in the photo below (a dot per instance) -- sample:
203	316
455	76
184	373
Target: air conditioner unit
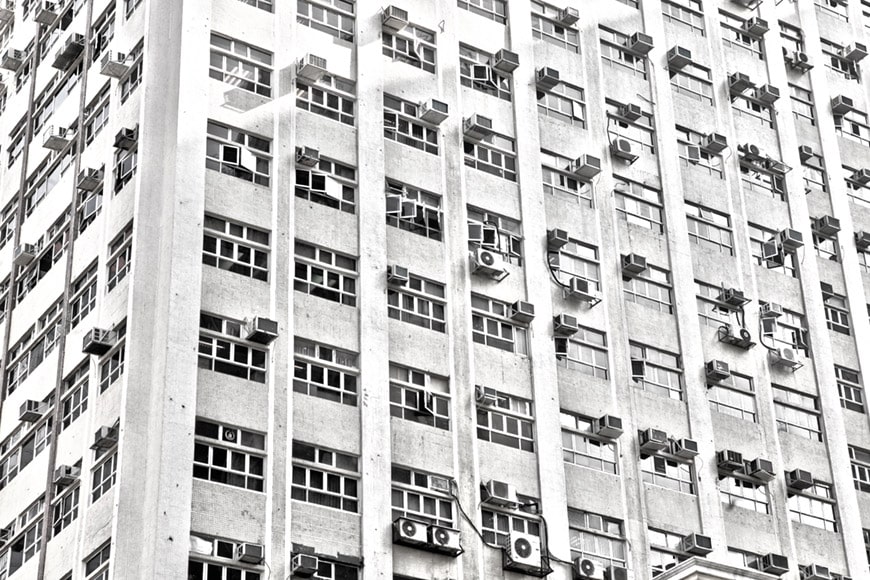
827	226
714	143
841	104
105	438
434	111
24	254
485	396
69	51
66	475
791	239
46	13
860	177
311	67
565	325
57	138
556	238
678	57
653	440
522	311
307	156
586	166
98	341
501	493
31	411
304	565
739	82
488	263
394	18
767	94
806	153
7	10
398	275
800	60
89	179
261	330
756	26
761	469
580	289
862	240
750	151
697	544
633	265
506	61
568	16
546	79
729	461
815	572
608	426
717	370
771	310
685	448
786	357
774	564
12	59
126	138
630	111
729	334
621	149
444	540
588	569
522	553
855	52
409	532
114	64
639	44
477	127
733	298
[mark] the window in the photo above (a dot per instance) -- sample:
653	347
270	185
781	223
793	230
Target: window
710	312
415	497
32	348
414	46
753	110
237	153
837	8
64	509
401	124
835	62
133	78
734	35
735	397
53	96
662	371
758	236
851	389
130	6
331	183
710	163
687	14
497	233
814	506
419	396
797	413
508	421
547	27
497	525
124	168
326	274
585	351
575	260
88	205
494	154
413	210
97	564
120	256
860	467
564	102
43	179
641	131
814	175
560	181
16	142
419	302
791	331
669	473
853	125
229	455
857	192
614	54
581	447
837	313
83	294
211	568
335	17
651	289
241	65
239	248
738	491
103	475
639	204
331	97
709	228
112	363
325	372
267	6
324	477
491	325
8	219
599	538
476	71
75	395
102	32
221	350
802	104
493	9
26	545
693	81
19	450
664	550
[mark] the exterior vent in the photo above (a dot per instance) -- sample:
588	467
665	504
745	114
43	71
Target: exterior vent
394	18
565	325
434	111
477	127
261	330
114	64
311	67
506	61
307	156
546	79
633	265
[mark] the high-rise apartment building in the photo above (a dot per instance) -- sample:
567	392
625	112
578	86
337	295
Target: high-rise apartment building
438	290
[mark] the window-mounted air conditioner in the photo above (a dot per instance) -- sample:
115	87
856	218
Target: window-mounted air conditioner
12	59
46	12
756	26
815	572
89	179
697	544
304	565
586	166
556	239
477	127
639	44
729	461
630	111
546	79
565	325
522	311
105	438
826	226
608	426
311	67
678	57
685	448
261	330
126	138
774	564
65	475
860	176
771	310
434	111
69	51
767	94
506	61
717	371
855	52
581	289
398	275
307	156
569	16
761	469
653	441
733	298
7	10
806	153
714	144
862	240
114	64
57	138
24	254
394	18
841	104
485	396
31	411
790	239
98	341
739	82
633	265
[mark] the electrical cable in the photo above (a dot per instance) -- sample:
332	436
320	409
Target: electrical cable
468	518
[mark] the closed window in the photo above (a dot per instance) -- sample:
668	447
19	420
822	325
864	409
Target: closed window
638	204
585	351
560	181
324	477
507	421
229	455
236	247
734	35
735	397
222	350
685	14
580	446
83	294
814	506
797	413
802	104
133	78
661	372
494	154
860	467
112	363
325	274
497	525
614	54
640	133
493	9
75	395
331	97
241	65
97	564
651	289
597	537
710	163
693	81
669	473
126	162
206	555
65	509
837	313
851	389
33	347
547	27
401	124
709	229
267	6
334	17
491	325
103	475
737	491
419	302
325	372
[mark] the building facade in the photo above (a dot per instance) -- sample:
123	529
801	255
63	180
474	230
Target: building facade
437	290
